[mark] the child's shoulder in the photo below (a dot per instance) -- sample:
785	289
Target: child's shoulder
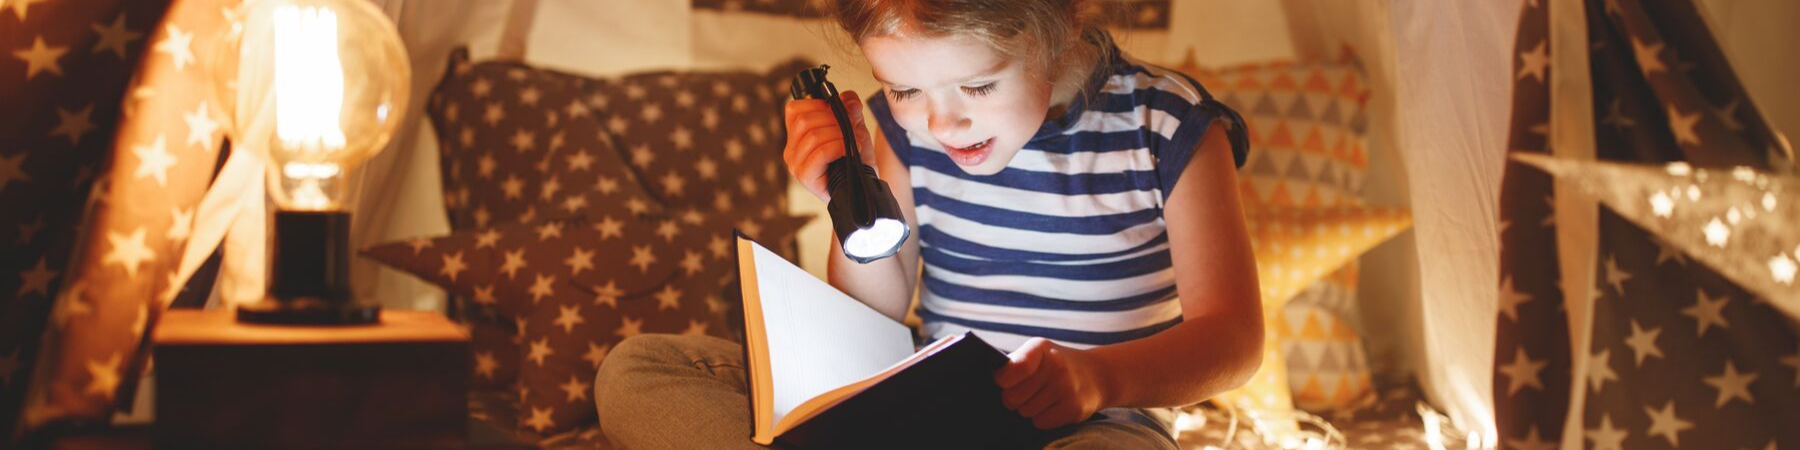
1129	74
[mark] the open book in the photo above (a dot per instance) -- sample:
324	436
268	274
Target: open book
827	371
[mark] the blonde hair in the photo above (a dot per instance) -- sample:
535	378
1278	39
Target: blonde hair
1062	40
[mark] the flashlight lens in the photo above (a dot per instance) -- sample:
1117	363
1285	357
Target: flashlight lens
876	241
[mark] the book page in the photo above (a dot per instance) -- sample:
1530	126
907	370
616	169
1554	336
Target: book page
818	338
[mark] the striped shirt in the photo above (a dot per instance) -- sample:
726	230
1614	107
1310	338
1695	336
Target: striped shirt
1068	241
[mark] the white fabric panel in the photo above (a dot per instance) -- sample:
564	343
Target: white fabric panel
1454	60
611	37
1388	291
1225	32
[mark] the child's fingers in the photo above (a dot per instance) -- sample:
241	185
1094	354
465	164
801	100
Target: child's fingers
852	101
813	142
802	124
1025	361
813	137
1014	397
1058	414
802	117
814	167
1051	393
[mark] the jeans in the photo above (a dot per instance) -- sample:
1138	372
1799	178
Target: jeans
690	392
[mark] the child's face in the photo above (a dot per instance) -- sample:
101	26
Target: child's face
979	105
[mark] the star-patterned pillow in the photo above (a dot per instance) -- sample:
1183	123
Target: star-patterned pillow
521	144
518	144
574	287
702	139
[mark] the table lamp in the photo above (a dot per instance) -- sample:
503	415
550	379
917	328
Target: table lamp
314	87
863	210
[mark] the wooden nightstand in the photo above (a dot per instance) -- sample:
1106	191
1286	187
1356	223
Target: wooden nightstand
398	384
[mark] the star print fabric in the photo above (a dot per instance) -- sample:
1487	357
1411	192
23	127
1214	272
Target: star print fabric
575	287
118	137
1677	354
589	209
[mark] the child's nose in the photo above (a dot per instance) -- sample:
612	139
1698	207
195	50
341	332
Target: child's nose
947	124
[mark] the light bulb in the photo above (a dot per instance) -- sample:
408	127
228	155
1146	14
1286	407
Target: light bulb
312	86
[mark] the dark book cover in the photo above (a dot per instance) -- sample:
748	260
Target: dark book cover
947	400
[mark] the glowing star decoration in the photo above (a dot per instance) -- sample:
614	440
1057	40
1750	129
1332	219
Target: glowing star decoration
1734	220
1782	269
1661	204
1717	234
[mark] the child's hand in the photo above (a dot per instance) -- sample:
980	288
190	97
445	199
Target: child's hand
1051	384
814	140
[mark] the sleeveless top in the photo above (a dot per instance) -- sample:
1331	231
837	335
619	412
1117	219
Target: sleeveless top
1067	242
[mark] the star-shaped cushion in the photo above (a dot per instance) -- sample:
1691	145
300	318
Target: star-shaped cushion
1295	247
1308	123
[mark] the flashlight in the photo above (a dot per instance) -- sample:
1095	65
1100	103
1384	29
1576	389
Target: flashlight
863	211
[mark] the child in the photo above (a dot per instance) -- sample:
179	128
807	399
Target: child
1038	168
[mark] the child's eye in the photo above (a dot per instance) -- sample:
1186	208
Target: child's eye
898	94
980	90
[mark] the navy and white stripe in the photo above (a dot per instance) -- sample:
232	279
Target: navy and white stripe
1068	241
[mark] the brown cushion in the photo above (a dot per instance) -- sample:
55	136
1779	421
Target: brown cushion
518	144
579	286
701	140
524	150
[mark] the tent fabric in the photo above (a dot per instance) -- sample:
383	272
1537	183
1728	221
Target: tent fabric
1453	80
1611	362
1441	71
124	267
64	76
1530	295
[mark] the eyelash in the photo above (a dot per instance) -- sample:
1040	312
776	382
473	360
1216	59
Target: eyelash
977	91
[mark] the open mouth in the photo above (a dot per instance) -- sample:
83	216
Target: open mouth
971	155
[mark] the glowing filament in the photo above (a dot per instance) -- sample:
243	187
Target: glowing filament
309	79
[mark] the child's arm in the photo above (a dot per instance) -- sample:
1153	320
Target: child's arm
1216	347
814	141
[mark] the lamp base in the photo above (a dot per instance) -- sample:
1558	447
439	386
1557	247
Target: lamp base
308	312
310	277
